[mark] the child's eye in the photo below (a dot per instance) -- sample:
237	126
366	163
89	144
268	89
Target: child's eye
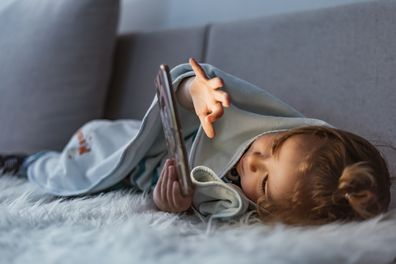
264	184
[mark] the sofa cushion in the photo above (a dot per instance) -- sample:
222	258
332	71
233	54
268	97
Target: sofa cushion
137	60
336	64
55	64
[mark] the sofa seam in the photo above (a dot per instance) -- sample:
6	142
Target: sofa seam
205	42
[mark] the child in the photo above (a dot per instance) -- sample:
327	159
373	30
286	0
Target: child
264	153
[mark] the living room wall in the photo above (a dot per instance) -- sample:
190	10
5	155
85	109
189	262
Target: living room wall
149	15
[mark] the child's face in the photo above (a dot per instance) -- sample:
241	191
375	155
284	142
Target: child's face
273	175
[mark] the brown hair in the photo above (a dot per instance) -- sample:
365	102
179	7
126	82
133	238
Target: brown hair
343	178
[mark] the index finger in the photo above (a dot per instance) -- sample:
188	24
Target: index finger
199	72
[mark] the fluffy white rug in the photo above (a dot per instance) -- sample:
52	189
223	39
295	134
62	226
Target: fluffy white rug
124	227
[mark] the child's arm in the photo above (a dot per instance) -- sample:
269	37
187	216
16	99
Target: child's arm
204	96
183	93
167	193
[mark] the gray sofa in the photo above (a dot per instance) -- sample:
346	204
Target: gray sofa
336	64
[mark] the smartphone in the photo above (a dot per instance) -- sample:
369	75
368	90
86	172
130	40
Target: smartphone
172	129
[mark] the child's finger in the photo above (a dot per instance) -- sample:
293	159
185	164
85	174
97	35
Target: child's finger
217	112
180	202
163	183
222	97
164	171
169	192
199	72
216	83
160	181
213	118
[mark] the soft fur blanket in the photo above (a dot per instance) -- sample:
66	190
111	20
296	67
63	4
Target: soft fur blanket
124	227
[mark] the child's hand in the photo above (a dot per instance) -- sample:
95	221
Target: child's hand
167	193
207	98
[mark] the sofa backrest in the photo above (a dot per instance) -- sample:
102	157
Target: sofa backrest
55	66
136	63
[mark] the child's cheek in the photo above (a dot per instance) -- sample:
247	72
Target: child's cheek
249	188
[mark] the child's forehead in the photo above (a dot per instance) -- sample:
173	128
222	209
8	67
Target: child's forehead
267	139
299	145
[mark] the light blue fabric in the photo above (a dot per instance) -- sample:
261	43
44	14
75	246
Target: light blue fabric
102	152
215	198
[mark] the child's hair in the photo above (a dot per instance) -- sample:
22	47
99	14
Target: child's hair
343	178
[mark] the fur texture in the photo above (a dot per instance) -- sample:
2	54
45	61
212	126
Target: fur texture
124	227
